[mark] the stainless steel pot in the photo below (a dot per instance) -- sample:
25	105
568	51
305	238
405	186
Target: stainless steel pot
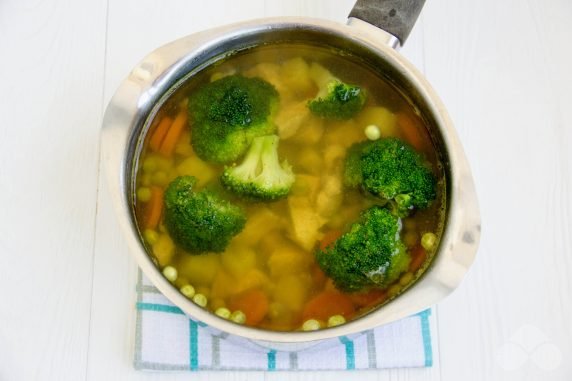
375	29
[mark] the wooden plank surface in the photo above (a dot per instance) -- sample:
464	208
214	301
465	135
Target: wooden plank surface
51	73
67	281
508	92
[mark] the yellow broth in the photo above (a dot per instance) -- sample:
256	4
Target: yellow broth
268	271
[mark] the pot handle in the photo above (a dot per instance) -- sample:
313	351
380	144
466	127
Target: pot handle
393	16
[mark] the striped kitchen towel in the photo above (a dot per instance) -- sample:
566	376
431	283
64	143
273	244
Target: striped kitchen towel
167	340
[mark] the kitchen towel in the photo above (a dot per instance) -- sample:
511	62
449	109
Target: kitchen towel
168	340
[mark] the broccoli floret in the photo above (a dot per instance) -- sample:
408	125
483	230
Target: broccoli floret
200	222
338	101
392	170
260	176
369	254
228	113
335	99
352	170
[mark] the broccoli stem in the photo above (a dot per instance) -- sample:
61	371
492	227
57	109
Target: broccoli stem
260	177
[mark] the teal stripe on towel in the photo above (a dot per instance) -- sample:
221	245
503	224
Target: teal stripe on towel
350	355
426	333
194	344
271	360
159	308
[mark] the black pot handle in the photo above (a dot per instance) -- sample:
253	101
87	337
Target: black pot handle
393	16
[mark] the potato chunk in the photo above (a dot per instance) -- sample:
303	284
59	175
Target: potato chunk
262	222
193	166
344	133
270	72
310	132
330	197
292	291
288	259
223	285
163	249
296	74
252	279
200	270
290	118
306	222
238	260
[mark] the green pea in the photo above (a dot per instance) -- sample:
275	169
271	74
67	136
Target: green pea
311	325
143	194
150	165
336	320
223	312
394	290
372	132
151	236
238	317
406	278
170	273
429	241
200	300
188	290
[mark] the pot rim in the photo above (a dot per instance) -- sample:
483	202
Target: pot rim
156	73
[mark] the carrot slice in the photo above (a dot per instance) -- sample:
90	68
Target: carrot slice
172	136
154	208
329	238
410	131
369	298
160	133
254	303
418	256
327	304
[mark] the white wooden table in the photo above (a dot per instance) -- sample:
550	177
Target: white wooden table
503	68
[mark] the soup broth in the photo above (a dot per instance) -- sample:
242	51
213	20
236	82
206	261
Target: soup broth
267	277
